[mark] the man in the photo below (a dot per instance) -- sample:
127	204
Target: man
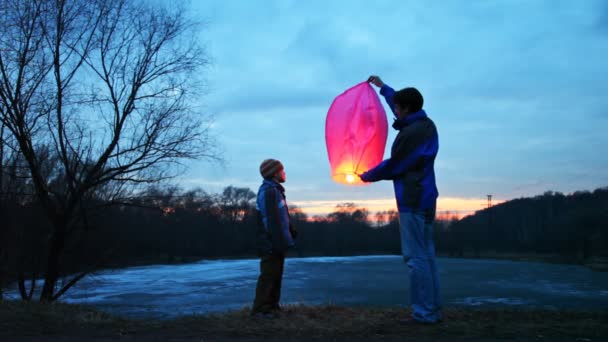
411	168
274	236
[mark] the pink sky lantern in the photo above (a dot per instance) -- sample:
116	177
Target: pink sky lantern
355	133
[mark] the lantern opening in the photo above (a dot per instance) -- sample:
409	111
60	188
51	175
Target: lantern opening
347	173
355	133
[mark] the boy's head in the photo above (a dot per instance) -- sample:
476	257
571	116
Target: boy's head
407	101
272	169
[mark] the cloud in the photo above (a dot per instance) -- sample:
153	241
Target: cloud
255	97
517	89
602	17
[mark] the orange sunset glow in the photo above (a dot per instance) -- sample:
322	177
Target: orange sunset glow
446	206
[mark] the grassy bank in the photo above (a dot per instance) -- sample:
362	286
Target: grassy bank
35	321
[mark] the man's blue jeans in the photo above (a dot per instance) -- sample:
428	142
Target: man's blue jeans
418	251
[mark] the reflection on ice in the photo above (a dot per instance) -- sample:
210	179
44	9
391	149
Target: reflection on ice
477	301
218	285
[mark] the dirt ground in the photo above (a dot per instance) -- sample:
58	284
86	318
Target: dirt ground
33	322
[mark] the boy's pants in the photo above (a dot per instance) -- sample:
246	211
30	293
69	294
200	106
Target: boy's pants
268	290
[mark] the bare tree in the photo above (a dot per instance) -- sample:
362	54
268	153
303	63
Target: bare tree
348	212
235	203
3	217
106	88
296	214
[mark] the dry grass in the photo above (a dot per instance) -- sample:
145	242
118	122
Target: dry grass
302	322
332	320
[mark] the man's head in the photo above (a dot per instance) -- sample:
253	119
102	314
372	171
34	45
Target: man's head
273	169
407	101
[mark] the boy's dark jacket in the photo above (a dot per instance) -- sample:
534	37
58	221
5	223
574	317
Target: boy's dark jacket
274	233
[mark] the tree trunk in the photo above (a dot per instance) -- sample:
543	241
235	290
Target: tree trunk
3	220
21	283
3	265
586	247
57	243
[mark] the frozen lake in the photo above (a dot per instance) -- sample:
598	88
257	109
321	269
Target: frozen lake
380	281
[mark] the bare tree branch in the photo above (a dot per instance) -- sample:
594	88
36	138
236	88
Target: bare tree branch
97	96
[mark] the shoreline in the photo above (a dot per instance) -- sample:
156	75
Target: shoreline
596	263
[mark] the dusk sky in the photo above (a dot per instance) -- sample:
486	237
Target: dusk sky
517	90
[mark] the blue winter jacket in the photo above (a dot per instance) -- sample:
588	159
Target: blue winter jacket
412	160
273	234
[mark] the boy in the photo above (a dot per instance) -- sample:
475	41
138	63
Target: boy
274	237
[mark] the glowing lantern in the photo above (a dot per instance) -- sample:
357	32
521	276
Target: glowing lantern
355	133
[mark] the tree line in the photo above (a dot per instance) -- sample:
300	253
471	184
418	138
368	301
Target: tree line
168	224
574	226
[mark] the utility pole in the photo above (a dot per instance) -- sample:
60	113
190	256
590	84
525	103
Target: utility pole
487	236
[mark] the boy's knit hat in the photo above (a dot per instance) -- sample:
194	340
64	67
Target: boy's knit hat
270	167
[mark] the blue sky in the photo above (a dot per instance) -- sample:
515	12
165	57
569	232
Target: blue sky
517	90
